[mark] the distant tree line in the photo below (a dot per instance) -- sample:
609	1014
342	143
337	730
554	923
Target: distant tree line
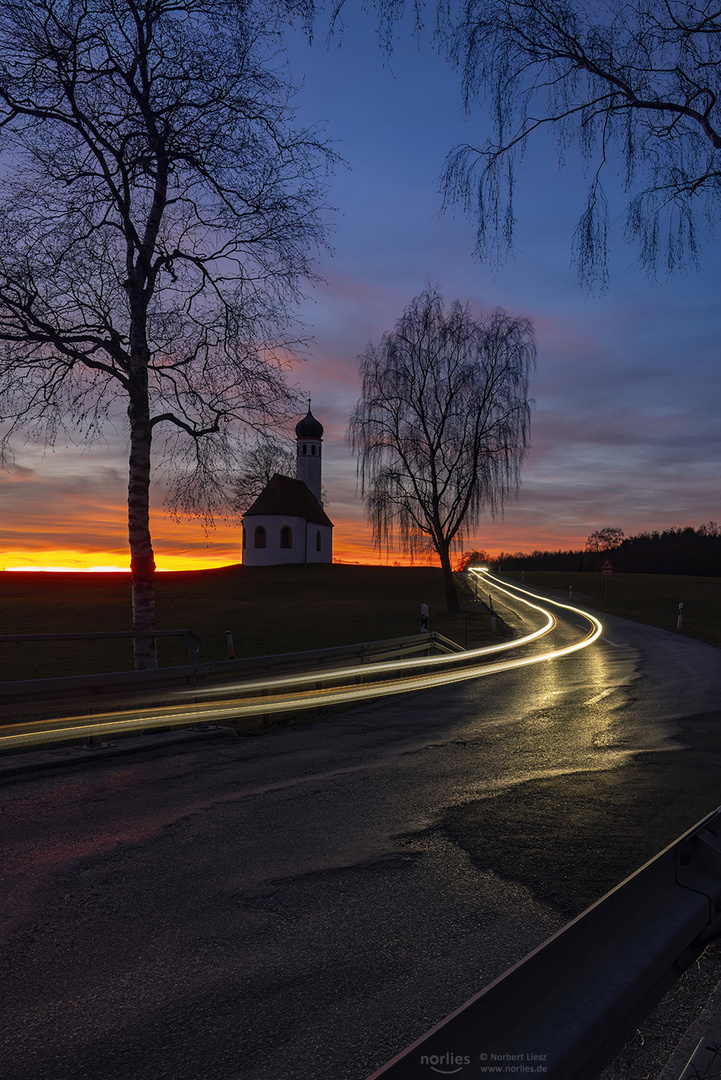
673	551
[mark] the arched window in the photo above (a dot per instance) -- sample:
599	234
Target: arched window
286	537
260	537
304	449
312	449
317	540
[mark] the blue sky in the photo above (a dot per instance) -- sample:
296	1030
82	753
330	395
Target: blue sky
628	386
625	429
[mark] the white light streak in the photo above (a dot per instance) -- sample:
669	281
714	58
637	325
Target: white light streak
411	664
417	674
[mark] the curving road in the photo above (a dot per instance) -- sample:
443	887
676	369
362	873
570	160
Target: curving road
303	904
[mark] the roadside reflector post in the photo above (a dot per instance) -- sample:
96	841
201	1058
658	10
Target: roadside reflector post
679	620
493	613
229	643
570	592
424	618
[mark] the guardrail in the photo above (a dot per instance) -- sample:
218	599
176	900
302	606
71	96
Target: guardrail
36	696
565	1010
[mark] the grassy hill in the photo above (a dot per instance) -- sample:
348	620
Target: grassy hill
269	610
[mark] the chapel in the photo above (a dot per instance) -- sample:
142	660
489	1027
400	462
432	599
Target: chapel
287	522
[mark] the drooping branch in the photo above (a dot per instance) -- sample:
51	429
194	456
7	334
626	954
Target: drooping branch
633	86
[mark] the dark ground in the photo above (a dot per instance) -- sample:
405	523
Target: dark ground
618	819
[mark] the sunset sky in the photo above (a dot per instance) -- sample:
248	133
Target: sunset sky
625	429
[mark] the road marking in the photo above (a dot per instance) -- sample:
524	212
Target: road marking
616	644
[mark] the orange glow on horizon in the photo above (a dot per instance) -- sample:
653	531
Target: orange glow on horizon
78	565
183	546
66	569
106	562
82	562
75	561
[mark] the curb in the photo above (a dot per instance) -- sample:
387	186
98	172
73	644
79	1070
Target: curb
61	757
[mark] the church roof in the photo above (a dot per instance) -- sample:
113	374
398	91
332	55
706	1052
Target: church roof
285	497
309	427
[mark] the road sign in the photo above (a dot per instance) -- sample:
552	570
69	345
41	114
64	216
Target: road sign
607	567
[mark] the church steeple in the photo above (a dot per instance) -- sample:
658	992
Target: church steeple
309	440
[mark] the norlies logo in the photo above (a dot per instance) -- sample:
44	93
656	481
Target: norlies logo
447	1064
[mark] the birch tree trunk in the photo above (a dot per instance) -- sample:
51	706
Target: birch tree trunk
142	560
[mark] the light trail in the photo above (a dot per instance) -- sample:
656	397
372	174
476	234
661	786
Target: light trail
463	667
383	666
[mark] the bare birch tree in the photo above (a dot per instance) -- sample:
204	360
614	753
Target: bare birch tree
441	427
159	212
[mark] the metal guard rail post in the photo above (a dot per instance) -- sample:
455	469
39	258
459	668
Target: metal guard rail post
567	1008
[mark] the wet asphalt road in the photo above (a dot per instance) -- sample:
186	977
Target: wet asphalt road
296	906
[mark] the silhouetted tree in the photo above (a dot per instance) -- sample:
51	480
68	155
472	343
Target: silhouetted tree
638	78
441	427
267	457
158	214
473	558
605	539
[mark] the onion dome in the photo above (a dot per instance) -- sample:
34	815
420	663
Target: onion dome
308	427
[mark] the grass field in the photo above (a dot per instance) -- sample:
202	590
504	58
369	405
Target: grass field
648	598
288	608
269	610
